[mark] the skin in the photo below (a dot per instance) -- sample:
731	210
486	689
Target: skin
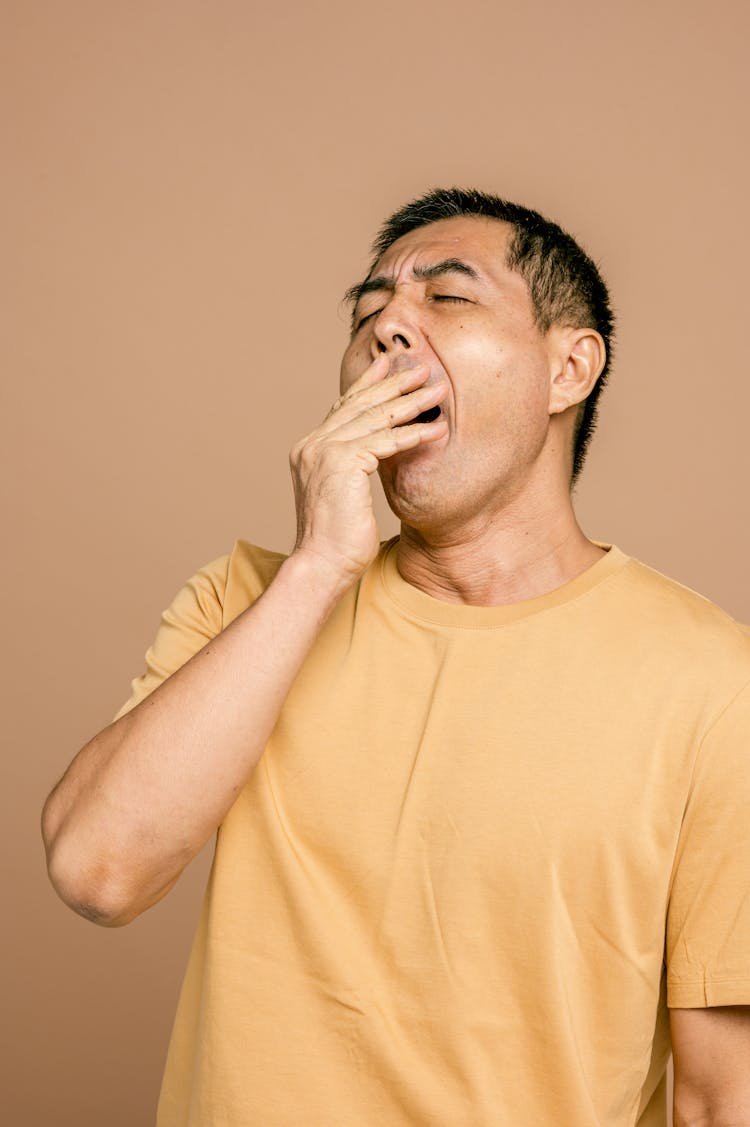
711	1050
485	506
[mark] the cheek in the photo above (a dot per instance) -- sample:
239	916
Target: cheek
347	373
353	363
510	400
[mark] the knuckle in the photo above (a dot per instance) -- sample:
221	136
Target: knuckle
307	456
297	450
301	455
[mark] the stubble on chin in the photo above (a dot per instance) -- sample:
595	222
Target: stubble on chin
415	493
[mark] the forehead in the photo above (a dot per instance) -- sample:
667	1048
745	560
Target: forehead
473	238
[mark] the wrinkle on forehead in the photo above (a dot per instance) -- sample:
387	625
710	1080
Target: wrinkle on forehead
426	272
467	245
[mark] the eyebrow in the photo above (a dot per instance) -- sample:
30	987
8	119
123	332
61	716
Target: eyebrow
384	282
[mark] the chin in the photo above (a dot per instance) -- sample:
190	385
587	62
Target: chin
416	503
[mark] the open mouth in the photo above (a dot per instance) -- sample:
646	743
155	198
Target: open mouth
428	416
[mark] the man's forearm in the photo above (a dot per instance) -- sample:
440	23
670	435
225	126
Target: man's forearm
142	797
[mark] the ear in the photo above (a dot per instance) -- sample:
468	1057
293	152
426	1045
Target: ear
577	357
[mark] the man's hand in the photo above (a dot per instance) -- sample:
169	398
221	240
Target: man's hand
331	466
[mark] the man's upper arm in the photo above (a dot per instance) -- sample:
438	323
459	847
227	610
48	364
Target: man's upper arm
190	621
711	1050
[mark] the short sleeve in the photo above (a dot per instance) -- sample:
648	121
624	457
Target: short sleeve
708	913
194	616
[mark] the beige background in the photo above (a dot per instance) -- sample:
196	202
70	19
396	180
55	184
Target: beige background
188	189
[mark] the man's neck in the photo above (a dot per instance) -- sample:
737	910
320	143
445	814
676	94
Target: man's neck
496	564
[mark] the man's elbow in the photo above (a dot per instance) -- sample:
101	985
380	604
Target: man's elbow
103	900
88	889
102	916
91	882
89	895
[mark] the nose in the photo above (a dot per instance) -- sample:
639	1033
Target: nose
394	331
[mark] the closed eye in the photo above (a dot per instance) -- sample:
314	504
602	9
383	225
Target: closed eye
367	317
435	297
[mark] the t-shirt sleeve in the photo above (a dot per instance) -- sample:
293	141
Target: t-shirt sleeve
708	914
193	617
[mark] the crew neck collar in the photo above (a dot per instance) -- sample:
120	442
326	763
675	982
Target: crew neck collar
420	605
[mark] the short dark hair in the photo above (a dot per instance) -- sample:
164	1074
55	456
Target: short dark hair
564	283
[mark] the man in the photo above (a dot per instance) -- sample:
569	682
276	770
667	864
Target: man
481	790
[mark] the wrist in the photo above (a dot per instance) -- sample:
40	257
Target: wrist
318	573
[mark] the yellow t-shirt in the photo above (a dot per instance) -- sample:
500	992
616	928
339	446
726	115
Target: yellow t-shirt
483	851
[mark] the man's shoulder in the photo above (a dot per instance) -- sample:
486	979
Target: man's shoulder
665	604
